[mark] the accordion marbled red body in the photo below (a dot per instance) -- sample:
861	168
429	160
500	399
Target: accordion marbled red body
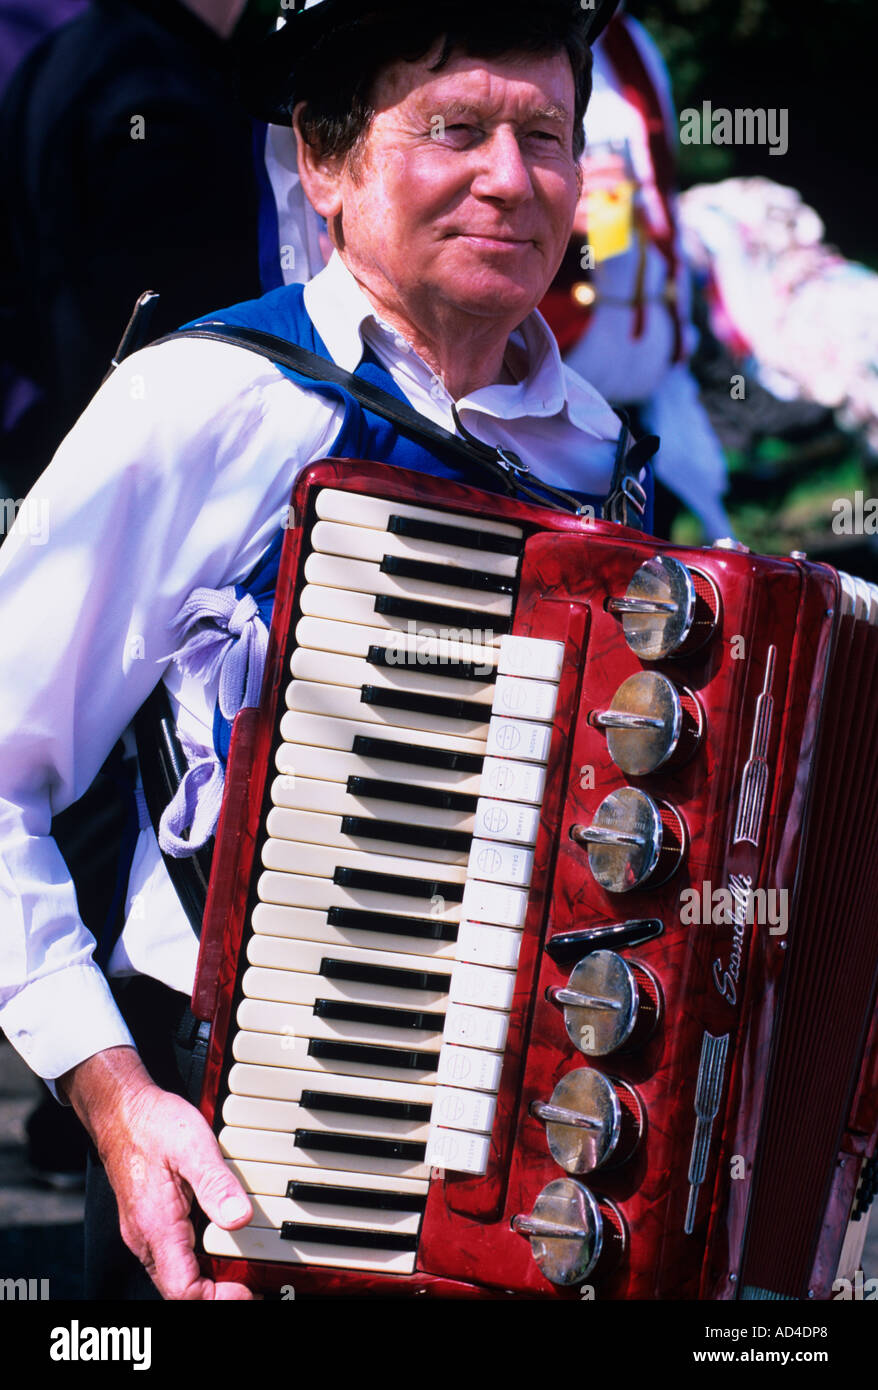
781	1009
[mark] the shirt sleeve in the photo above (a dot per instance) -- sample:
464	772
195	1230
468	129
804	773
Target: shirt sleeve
176	476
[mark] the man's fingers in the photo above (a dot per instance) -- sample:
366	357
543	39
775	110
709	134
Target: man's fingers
216	1189
235	1291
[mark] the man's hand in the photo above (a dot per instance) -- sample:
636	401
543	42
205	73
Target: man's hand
158	1152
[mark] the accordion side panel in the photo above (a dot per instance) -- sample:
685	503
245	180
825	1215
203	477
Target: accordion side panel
799	708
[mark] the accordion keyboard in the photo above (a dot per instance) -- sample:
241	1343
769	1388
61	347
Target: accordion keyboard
397	858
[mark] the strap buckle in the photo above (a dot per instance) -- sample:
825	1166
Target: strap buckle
628	496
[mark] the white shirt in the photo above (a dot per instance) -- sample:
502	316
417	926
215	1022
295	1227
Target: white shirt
178	476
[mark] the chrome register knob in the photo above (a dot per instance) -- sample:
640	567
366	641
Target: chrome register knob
632	841
572	1233
649	723
667	610
609	1003
591	1120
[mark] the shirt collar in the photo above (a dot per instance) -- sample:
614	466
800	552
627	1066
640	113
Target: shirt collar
344	318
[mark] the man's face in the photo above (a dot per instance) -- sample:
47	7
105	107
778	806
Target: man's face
463	197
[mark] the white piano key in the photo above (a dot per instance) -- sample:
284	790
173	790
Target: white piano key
431	645
286	1085
500	863
291	1050
312	828
346	702
302	925
333	799
331	572
520	739
471	1027
271	1212
318	601
307	957
295	760
506	820
259	1243
361	543
303	988
508	780
359	510
470	1067
249	1112
353	671
531	656
276	986
300	726
318	861
263	1146
484	945
270	1179
293	892
457	1109
524	699
495	903
458	1150
482	986
255	1112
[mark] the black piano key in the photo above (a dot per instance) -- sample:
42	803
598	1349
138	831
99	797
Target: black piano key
473	621
335	1235
448	575
365	1105
425	704
395	659
390	975
346	1011
363	1145
442	534
404	833
372	1198
421	928
365	746
369	881
412	794
370	1054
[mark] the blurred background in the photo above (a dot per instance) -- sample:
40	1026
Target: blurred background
809	439
778	251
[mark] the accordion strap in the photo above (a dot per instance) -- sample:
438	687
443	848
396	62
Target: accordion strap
505	469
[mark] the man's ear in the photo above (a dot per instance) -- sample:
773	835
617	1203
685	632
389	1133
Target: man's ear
321	177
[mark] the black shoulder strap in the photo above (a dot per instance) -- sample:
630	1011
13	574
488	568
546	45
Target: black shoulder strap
505	469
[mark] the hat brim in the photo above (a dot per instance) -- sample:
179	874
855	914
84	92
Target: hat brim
267	77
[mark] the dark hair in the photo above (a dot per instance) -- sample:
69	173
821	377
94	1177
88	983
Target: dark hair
337	82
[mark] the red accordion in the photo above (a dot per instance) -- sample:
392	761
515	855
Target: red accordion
540	951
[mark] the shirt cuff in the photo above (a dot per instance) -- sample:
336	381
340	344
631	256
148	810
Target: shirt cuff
57	1021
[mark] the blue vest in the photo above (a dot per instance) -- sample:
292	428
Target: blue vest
362	435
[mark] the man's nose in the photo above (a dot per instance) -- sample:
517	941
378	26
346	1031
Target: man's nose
503	174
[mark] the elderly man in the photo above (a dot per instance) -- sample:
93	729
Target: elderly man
441	145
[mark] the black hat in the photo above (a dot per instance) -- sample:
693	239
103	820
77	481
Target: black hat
269	78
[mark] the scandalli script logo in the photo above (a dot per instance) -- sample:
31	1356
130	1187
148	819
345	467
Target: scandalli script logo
726	979
75	1343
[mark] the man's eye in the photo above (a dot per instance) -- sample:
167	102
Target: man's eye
547	136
